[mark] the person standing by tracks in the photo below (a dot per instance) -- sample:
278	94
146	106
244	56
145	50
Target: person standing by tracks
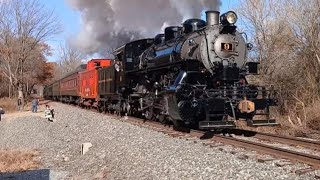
19	103
35	103
1	112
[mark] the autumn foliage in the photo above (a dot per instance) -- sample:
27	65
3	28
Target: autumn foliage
25	25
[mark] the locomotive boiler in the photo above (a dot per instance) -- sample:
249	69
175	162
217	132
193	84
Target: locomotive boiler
194	75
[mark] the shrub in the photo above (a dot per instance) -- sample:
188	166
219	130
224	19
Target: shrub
8	105
313	116
16	161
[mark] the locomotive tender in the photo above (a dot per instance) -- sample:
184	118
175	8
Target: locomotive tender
193	76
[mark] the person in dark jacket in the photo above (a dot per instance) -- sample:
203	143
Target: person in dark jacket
1	112
35	103
19	103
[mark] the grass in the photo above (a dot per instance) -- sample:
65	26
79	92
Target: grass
289	126
313	116
8	105
308	126
17	161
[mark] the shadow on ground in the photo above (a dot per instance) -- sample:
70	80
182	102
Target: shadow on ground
42	174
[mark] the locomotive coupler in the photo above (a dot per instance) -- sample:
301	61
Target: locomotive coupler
246	106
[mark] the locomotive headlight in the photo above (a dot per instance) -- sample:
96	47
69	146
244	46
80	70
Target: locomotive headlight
232	17
229	18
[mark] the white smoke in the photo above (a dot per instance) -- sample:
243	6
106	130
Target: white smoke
110	23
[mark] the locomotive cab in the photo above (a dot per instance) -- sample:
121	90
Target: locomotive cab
129	53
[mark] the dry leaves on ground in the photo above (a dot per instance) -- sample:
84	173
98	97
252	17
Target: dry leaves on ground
18	160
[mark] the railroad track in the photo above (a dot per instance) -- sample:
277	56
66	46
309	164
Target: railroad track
295	156
313	161
309	159
310	144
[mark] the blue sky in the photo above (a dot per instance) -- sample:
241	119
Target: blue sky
71	21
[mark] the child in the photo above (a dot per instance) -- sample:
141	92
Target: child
49	113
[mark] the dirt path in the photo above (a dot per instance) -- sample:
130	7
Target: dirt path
27	112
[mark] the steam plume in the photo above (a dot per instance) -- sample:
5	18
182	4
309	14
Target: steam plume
110	23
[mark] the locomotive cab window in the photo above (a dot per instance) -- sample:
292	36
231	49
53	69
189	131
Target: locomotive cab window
97	64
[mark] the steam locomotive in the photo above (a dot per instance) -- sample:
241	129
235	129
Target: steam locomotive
192	76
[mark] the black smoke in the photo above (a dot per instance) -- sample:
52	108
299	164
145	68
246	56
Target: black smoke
108	24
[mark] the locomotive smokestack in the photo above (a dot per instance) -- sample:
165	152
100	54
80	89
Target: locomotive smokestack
212	17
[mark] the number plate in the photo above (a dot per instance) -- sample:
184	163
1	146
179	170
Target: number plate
226	47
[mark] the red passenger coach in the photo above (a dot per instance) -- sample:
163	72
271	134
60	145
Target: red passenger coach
69	88
89	81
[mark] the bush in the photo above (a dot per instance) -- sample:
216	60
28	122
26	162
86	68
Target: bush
8	105
16	161
313	116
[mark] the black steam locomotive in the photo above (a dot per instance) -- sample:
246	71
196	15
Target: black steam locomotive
193	76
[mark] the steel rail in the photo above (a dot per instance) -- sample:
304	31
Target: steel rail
290	140
315	145
271	150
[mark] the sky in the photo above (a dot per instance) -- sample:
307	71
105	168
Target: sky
71	21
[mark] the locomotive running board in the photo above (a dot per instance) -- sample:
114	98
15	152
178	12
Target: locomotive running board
255	123
216	124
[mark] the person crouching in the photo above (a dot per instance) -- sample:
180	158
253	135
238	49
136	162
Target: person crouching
49	113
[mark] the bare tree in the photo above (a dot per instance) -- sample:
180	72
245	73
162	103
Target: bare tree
37	71
286	37
24	25
70	59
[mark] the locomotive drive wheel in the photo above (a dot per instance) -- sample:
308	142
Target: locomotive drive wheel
162	119
148	114
179	125
100	109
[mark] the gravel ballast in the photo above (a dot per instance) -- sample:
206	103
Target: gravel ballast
125	151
